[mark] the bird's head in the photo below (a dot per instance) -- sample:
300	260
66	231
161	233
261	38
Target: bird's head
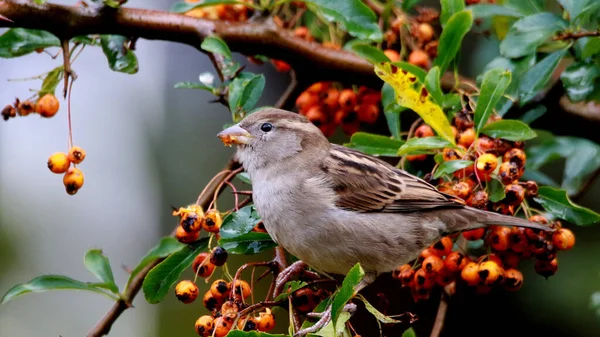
273	136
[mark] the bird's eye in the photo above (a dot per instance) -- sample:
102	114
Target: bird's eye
266	127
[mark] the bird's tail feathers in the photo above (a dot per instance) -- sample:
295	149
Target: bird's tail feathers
490	218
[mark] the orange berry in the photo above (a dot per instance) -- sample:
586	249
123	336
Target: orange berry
455	261
246	323
509	172
398	270
463	120
212	221
424	32
450	154
503	145
316	115
499	238
465	172
210	302
331	45
368	96
474	234
266	321
486	164
466	138
47	106
220	289
484	144
306	100
515	194
419	58
424	280
242	288
25	108
416	157
76	155
461	190
518	240
423	131
73	180
393	55
511	260
347	100
205	325
303	33
479	200
229	311
202	265
281	66
190	222
59	162
186	237
546	268
222	327
351	128
330	99
513	279
469	273
328	129
407	277
444	278
563	239
318	87
186	291
443	247
427	253
531	189
367	113
491	257
433	264
489	272
516	156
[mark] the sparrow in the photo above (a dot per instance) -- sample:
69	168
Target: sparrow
332	206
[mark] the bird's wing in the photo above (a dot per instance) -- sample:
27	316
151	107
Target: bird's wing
367	184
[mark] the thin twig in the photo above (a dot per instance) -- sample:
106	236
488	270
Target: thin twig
575	35
289	94
105	324
441	316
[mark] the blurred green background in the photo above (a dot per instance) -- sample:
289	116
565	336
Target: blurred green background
151	146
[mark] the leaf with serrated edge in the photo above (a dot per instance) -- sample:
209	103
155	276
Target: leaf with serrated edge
413	95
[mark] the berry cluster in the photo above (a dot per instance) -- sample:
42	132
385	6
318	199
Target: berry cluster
60	163
416	33
223	303
328	105
46	106
484	258
231	12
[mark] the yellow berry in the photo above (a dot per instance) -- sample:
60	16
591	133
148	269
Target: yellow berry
73	180
76	155
47	106
59	162
186	291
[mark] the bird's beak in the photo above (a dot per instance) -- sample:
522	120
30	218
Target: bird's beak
234	135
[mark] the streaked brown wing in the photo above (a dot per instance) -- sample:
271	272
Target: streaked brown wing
367	184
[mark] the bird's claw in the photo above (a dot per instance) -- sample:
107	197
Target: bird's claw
287	274
324	319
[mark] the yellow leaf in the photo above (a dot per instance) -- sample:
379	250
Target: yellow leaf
410	93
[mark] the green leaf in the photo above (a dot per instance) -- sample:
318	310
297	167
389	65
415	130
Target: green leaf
530	32
495	82
495	190
536	78
98	264
539	177
244	91
216	45
376	313
249	243
432	84
167	246
422	145
509	129
51	81
182	7
556	202
533	114
238	223
451	39
376	145
193	85
370	53
244	177
346	291
589	16
317	29
120	58
482	11
574	7
289	288
526	7
239	333
410	332
20	41
588	46
357	19
164	275
408	4
52	282
451	166
449	8
391	110
578	80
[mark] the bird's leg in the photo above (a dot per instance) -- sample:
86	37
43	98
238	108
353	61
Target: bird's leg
325	316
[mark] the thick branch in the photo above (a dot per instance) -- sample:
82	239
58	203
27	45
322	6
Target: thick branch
105	324
588	110
310	59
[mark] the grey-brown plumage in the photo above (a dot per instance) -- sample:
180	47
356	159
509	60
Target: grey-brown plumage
332	206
